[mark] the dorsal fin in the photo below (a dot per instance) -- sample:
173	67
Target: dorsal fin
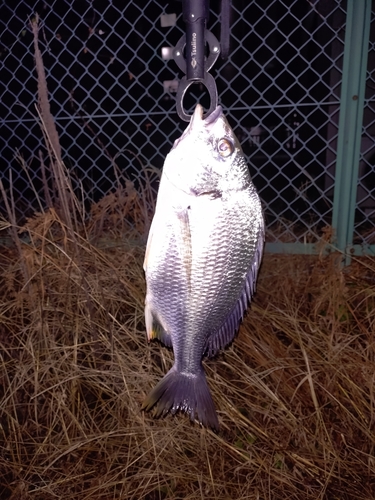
226	333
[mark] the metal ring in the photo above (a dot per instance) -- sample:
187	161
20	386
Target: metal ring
210	85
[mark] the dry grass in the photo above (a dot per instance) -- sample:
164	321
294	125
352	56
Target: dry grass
295	392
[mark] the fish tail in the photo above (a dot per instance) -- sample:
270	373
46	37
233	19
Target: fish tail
186	392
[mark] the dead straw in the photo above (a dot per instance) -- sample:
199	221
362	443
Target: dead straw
294	393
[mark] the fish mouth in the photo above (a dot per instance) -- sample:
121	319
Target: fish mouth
197	117
197	121
214	116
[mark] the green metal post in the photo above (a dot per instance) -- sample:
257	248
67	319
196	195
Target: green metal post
350	122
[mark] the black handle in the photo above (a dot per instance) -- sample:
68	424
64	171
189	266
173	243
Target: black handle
195	15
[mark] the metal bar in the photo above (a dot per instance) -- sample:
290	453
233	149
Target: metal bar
295	248
171	113
350	122
316	249
272	248
195	15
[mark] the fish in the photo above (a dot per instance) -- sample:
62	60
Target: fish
202	259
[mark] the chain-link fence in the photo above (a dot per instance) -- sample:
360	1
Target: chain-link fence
365	208
112	91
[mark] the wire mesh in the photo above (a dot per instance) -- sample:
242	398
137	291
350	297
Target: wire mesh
112	92
365	208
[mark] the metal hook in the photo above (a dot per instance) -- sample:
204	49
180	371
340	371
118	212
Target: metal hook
210	85
213	47
208	80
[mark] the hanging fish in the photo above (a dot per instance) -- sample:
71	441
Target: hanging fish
202	259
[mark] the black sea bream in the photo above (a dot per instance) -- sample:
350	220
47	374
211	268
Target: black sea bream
202	259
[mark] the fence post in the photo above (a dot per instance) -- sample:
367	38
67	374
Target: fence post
357	35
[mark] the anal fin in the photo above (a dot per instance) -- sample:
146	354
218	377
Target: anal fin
155	329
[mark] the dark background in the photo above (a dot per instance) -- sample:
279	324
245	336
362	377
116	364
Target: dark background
105	78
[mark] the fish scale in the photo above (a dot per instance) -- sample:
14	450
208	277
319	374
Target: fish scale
202	260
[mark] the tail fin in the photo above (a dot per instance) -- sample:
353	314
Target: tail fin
186	392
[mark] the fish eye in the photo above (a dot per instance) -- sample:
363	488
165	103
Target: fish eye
225	147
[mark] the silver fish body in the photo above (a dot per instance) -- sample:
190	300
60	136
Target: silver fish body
202	259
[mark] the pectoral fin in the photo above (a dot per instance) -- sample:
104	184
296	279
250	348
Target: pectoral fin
185	245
